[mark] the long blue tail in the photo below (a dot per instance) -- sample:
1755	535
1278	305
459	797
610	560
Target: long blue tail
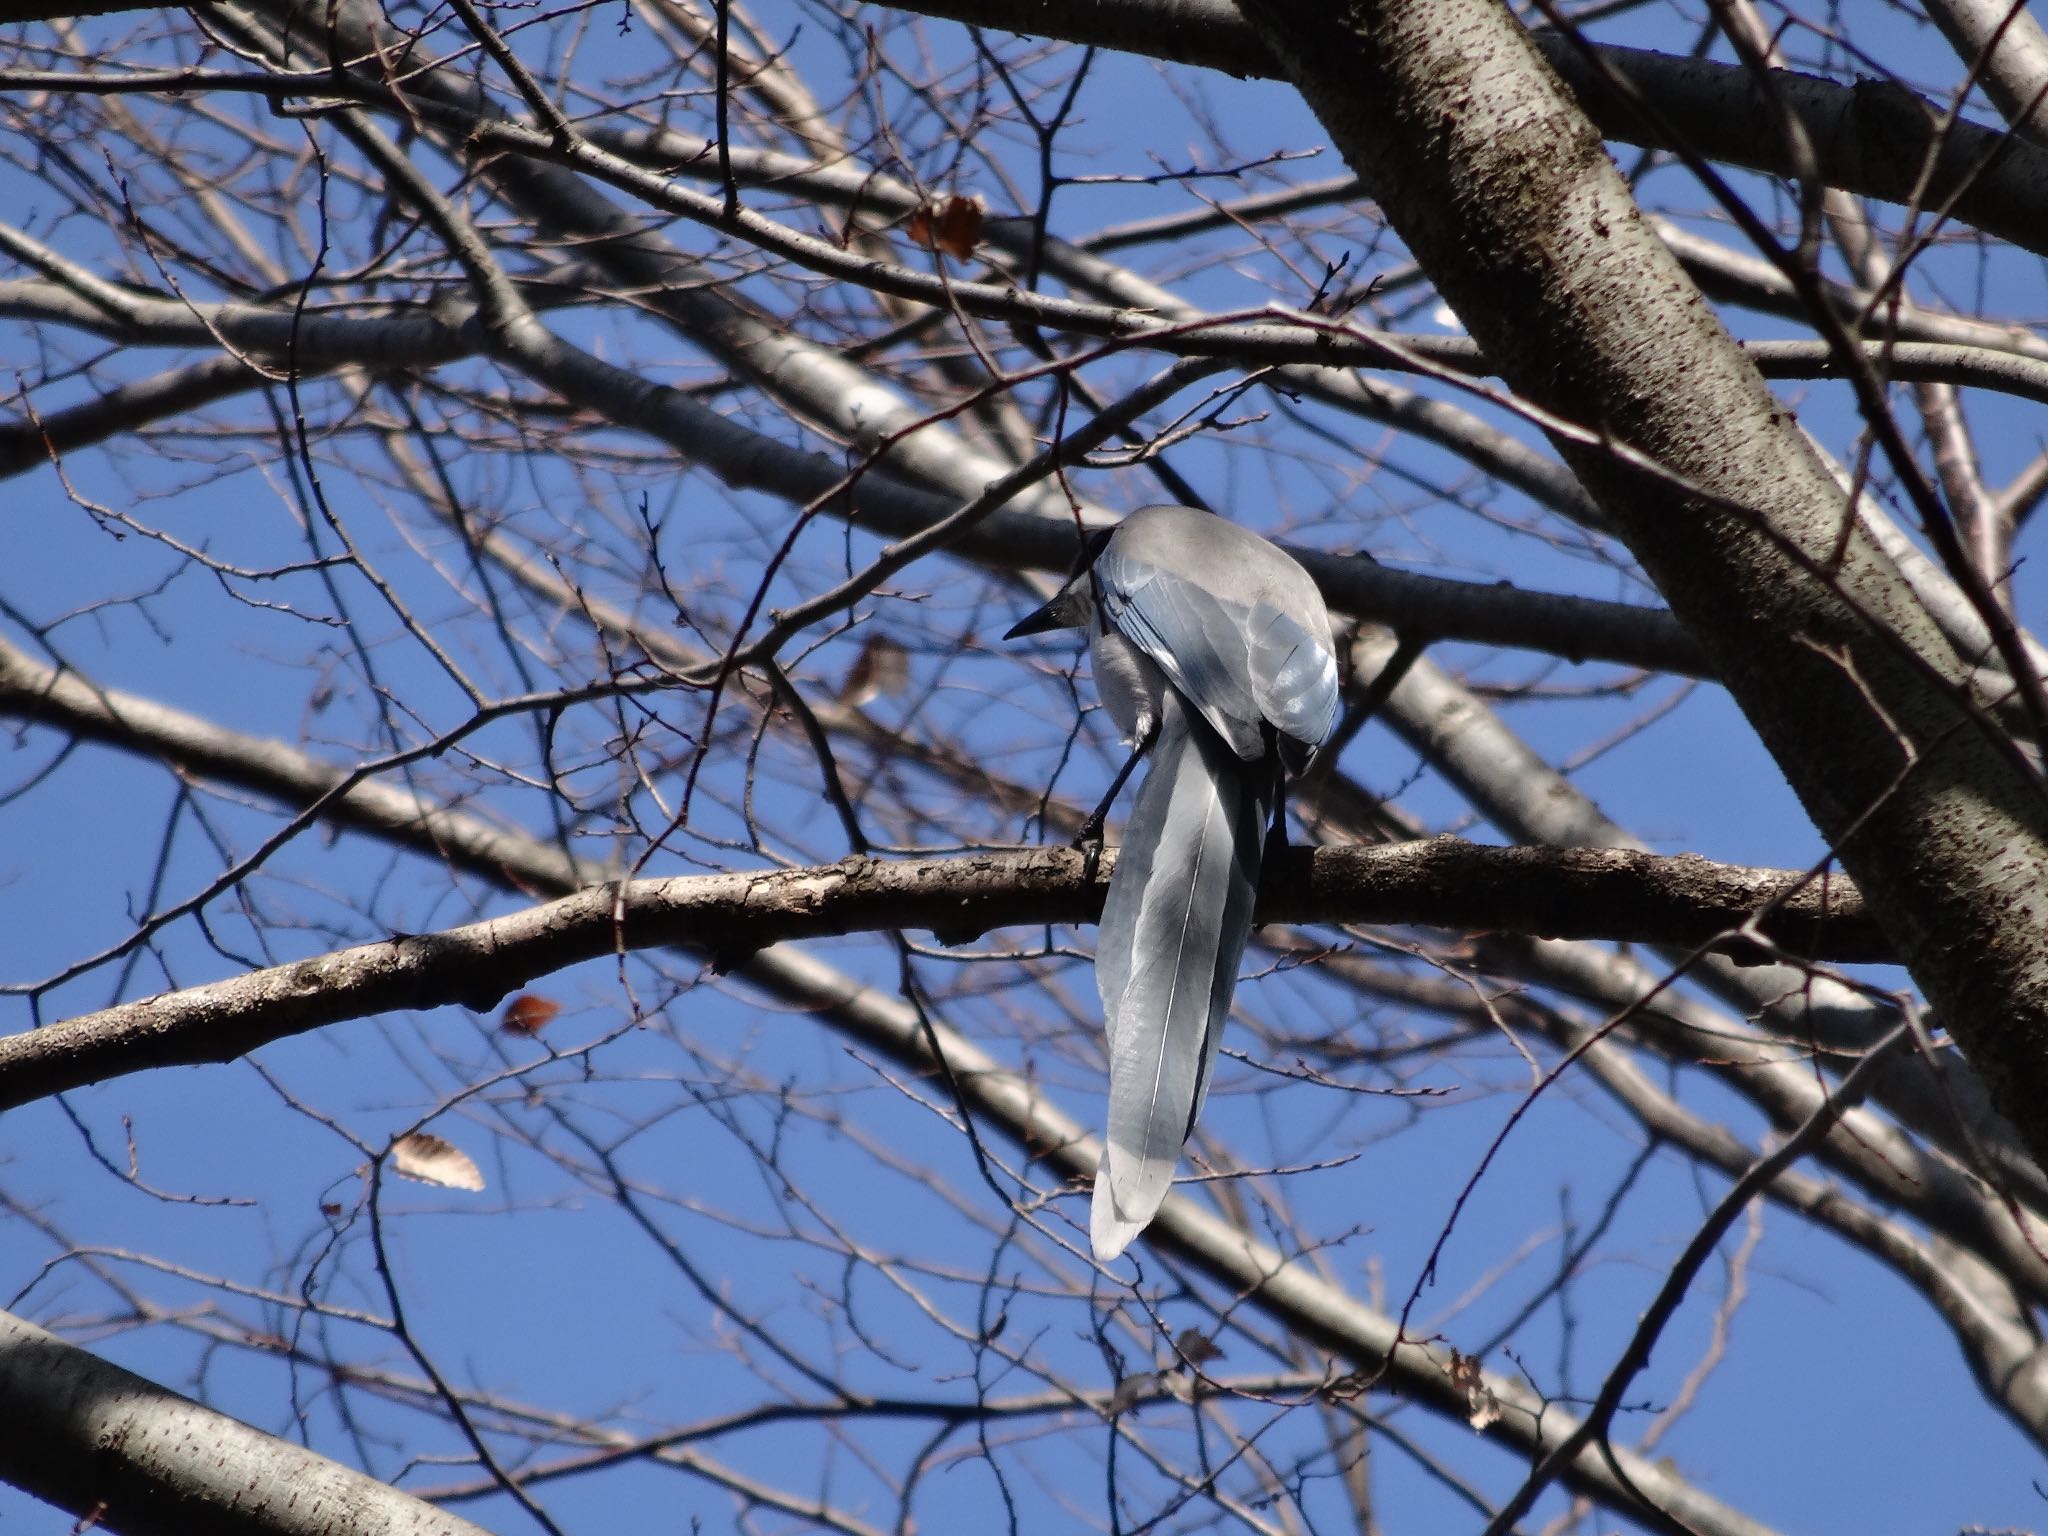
1174	926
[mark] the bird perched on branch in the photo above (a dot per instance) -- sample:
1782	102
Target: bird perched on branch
1211	651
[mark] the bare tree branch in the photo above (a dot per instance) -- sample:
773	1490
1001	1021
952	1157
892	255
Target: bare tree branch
123	1453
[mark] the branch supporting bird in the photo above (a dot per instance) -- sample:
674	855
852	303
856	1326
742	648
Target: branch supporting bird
1212	654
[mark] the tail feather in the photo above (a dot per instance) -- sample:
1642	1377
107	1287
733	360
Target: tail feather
1174	926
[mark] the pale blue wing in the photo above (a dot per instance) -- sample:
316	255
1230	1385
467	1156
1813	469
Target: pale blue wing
1200	643
1294	680
1241	666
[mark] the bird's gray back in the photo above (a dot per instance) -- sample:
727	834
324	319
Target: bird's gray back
1233	620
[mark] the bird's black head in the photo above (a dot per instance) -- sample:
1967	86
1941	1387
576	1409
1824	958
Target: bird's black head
1071	606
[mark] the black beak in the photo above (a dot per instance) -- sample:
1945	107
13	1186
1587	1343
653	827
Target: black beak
1072	604
1048	617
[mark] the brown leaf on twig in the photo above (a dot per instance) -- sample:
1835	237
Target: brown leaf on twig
952	225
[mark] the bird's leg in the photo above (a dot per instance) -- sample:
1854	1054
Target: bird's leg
1089	838
1276	833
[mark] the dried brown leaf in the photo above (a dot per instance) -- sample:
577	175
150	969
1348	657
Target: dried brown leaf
427	1158
952	225
527	1014
1482	1407
1196	1347
882	667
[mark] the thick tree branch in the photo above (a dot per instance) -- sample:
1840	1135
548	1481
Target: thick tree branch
124	1454
1550	892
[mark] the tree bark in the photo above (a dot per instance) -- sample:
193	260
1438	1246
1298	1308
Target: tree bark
2011	48
1487	168
124	1454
